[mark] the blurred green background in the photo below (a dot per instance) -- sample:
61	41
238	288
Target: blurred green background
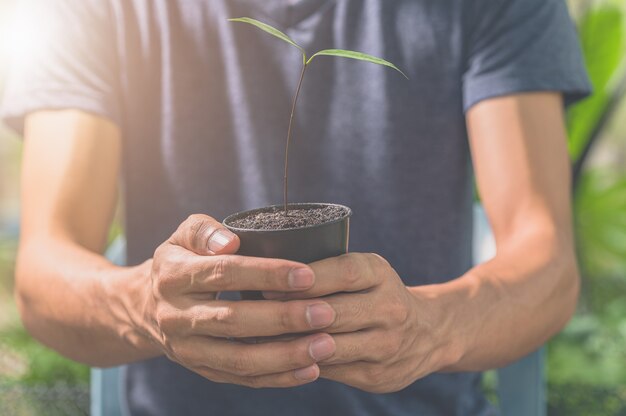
586	362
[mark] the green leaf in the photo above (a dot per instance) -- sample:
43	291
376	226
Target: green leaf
269	29
603	38
356	55
600	207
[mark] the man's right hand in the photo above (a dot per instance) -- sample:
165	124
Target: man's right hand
74	300
183	315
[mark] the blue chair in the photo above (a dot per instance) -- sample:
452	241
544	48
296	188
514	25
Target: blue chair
521	386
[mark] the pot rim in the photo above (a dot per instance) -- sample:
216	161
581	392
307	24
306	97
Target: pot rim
348	214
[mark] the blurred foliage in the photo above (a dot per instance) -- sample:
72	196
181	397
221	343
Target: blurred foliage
601	31
43	366
576	399
592	349
586	371
600	207
22	359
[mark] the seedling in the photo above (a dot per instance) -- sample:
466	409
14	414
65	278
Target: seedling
305	64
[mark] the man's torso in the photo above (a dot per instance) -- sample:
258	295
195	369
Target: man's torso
205	106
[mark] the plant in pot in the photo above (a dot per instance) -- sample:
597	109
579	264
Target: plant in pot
303	232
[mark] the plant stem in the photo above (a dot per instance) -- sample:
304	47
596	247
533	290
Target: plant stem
293	110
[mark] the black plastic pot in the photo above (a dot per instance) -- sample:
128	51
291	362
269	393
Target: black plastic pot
304	244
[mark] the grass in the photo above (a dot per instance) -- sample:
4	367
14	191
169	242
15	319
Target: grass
34	380
22	359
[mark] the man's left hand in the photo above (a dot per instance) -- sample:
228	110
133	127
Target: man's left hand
382	331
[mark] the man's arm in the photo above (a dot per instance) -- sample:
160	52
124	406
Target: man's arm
388	335
69	188
75	301
507	307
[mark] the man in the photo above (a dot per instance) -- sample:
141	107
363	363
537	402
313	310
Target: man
192	111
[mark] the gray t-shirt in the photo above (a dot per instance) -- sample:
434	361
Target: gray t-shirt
203	105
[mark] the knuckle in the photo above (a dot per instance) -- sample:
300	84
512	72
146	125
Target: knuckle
166	272
194	322
352	350
377	261
195	231
349	266
164	280
159	261
286	313
166	336
225	316
397	312
166	321
161	318
359	311
299	357
227	322
376	266
159	253
196	228
177	353
221	276
195	218
195	222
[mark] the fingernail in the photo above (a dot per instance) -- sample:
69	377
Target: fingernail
322	348
320	315
301	278
220	239
307	374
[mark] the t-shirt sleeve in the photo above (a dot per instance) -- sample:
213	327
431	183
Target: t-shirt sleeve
69	63
522	46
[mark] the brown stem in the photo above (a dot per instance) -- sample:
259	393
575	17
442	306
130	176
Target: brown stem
293	110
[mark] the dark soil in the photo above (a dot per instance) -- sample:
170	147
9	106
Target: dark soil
298	217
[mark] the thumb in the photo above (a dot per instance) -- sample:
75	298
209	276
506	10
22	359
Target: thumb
205	236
